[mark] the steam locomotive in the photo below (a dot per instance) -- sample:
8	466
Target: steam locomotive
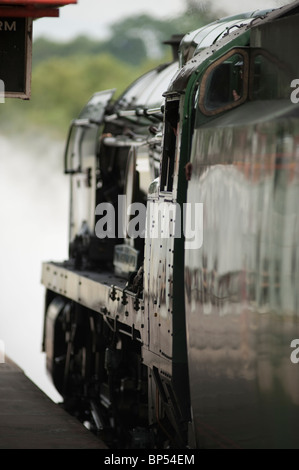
175	326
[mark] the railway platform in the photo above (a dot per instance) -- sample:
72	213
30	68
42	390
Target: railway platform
30	420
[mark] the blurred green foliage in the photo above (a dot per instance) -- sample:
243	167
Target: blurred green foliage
65	75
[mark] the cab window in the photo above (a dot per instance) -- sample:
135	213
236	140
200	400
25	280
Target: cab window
270	78
225	83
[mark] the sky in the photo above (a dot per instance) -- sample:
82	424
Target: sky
93	17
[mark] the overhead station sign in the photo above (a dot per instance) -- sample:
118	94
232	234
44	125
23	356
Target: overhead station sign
16	42
15	56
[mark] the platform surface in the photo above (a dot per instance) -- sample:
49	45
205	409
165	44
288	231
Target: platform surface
30	420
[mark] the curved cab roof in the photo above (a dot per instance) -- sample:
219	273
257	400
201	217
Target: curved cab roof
201	38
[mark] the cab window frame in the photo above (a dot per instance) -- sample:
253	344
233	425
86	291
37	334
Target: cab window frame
205	83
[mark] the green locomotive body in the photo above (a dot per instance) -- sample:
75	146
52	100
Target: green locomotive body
184	336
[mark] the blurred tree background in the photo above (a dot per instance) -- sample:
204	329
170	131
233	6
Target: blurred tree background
65	75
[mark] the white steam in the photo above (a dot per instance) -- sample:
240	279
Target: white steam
34	226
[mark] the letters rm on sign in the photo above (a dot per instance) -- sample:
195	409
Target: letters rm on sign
16	56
